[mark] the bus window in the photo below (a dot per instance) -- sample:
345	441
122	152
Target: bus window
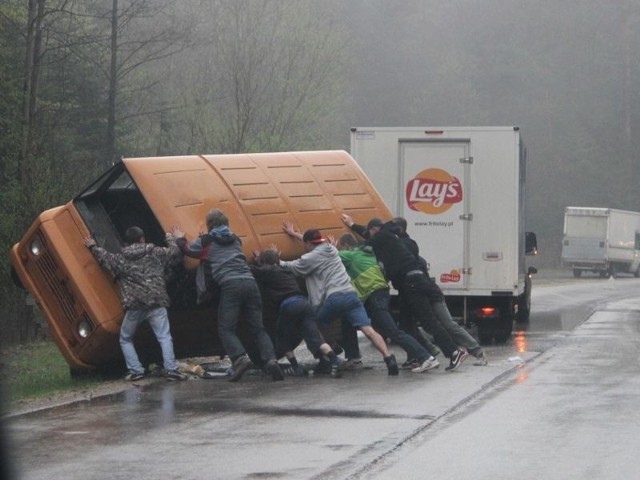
114	203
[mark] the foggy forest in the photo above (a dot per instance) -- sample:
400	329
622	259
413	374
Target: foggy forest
85	82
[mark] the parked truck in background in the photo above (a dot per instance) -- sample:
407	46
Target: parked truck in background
462	192
605	241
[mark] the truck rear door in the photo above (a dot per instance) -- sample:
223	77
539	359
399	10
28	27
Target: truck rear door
434	199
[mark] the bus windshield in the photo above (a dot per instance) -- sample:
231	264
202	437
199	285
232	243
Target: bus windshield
114	203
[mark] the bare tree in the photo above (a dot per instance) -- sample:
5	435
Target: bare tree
31	78
127	36
267	77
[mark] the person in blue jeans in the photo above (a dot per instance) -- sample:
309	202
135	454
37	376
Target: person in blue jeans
239	297
140	269
405	272
330	289
373	289
296	317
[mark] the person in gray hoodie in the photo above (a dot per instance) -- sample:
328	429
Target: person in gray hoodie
330	289
226	265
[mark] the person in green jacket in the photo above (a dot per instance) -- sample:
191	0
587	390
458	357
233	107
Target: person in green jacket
373	290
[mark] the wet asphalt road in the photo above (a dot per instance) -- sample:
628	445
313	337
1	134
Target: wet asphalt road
558	401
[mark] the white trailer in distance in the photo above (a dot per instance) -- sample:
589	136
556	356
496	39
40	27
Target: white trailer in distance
605	241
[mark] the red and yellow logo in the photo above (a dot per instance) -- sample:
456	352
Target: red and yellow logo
451	277
433	191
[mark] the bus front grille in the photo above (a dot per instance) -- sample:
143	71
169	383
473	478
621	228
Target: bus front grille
52	277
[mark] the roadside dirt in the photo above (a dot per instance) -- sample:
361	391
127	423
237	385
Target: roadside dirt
58	399
192	367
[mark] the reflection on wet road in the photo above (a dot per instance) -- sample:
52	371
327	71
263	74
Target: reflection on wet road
303	427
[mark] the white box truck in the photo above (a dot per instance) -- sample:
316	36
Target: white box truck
601	240
462	192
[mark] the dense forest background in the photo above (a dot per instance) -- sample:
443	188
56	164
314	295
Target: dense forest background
85	82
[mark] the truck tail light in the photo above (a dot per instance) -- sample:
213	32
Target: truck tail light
487	311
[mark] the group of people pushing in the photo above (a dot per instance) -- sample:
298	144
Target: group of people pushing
345	279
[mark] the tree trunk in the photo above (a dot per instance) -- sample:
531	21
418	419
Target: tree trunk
113	85
31	79
26	94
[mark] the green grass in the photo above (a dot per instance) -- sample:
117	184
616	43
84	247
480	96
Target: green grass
37	370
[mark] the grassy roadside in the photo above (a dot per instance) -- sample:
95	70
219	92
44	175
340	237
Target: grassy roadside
37	370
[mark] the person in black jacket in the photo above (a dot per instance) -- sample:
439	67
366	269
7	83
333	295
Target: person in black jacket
295	314
406	275
438	302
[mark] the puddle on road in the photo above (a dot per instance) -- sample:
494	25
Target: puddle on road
555	321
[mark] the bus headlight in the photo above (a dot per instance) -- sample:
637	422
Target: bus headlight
36	247
84	328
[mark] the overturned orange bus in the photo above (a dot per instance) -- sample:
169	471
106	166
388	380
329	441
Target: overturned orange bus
257	191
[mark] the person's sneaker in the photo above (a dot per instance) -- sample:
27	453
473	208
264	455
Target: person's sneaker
240	366
174	375
458	356
134	376
298	371
273	368
323	367
353	364
411	363
392	365
428	364
481	360
336	368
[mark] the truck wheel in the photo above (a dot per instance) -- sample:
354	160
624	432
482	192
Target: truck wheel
637	274
577	273
603	273
502	337
524	303
486	338
505	325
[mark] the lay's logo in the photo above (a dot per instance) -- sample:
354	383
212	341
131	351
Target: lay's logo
451	277
433	191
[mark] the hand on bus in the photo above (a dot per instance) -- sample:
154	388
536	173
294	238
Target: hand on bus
89	241
176	232
274	247
288	227
348	221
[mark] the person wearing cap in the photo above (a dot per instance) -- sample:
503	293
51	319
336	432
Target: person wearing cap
330	289
226	266
296	317
404	270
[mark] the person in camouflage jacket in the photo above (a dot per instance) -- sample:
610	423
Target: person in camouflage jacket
140	270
